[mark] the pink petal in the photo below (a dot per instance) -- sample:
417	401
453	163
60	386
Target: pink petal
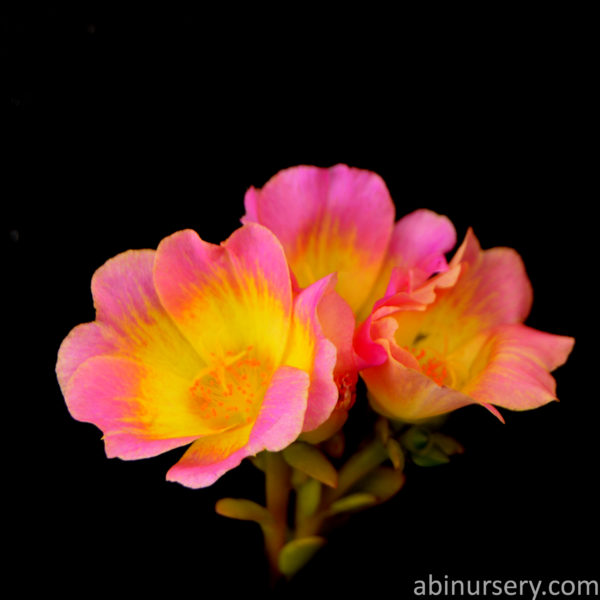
130	322
416	251
419	242
328	220
338	323
308	341
141	411
227	297
132	318
123	290
210	457
83	342
281	416
278	424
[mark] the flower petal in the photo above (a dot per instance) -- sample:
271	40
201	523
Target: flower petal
513	367
328	220
407	308
417	248
403	393
278	424
230	297
308	349
419	242
142	411
83	342
130	323
492	289
281	416
210	457
133	318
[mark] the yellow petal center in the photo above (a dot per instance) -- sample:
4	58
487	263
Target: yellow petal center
228	392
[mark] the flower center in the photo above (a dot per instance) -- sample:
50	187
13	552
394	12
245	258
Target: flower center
433	364
229	390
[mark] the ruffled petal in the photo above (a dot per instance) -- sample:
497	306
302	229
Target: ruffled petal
409	311
417	248
492	289
328	220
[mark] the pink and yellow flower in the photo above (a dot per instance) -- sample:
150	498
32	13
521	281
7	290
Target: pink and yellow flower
341	220
459	339
200	344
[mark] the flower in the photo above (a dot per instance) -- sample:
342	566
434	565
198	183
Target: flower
341	220
203	344
459	339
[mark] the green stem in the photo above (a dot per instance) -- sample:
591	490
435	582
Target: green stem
277	484
357	466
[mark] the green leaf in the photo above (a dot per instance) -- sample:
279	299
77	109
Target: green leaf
359	464
295	554
308	498
383	483
335	445
396	454
447	444
312	461
352	502
246	510
415	439
382	429
298	478
259	461
432	458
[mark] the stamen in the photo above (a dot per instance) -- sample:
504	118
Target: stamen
224	390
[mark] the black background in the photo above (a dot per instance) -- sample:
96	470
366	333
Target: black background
121	130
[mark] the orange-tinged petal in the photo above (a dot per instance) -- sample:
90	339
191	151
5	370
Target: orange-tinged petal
492	289
512	368
400	392
463	343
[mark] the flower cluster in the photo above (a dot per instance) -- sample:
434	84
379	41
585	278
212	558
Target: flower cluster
258	342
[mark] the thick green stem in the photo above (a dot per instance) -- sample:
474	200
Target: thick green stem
277	484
